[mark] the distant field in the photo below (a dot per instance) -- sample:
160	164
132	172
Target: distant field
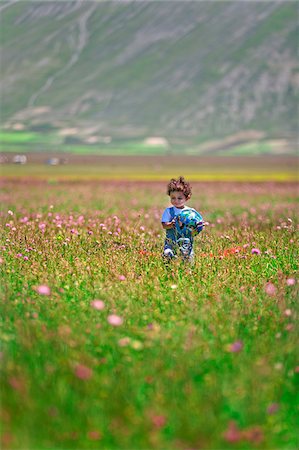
196	168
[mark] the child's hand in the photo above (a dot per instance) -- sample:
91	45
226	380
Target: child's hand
168	225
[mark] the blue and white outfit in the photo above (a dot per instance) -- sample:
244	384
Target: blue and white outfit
174	241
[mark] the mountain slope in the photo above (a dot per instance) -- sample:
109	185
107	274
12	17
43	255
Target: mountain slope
190	71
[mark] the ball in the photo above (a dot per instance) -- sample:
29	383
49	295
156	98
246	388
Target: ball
189	222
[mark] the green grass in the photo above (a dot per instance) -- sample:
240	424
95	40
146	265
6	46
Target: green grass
166	377
51	141
122	148
8	137
28	141
20	137
251	148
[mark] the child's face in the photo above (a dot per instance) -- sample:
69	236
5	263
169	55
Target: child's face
178	199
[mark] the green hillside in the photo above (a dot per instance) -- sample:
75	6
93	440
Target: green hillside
96	73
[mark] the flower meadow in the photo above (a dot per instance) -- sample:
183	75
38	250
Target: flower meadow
103	345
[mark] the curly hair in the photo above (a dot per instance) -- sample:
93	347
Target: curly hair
179	185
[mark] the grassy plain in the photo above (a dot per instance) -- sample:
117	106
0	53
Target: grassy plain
103	346
150	167
38	144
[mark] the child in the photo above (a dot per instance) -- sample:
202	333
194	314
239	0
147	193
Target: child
179	192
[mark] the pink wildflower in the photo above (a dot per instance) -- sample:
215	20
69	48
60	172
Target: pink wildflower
6	440
18	384
158	421
253	434
291	281
43	289
270	289
123	342
122	278
236	347
94	435
115	320
273	408
64	331
232	434
83	372
255	251
98	304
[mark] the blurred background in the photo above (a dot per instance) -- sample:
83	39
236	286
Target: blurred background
203	84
